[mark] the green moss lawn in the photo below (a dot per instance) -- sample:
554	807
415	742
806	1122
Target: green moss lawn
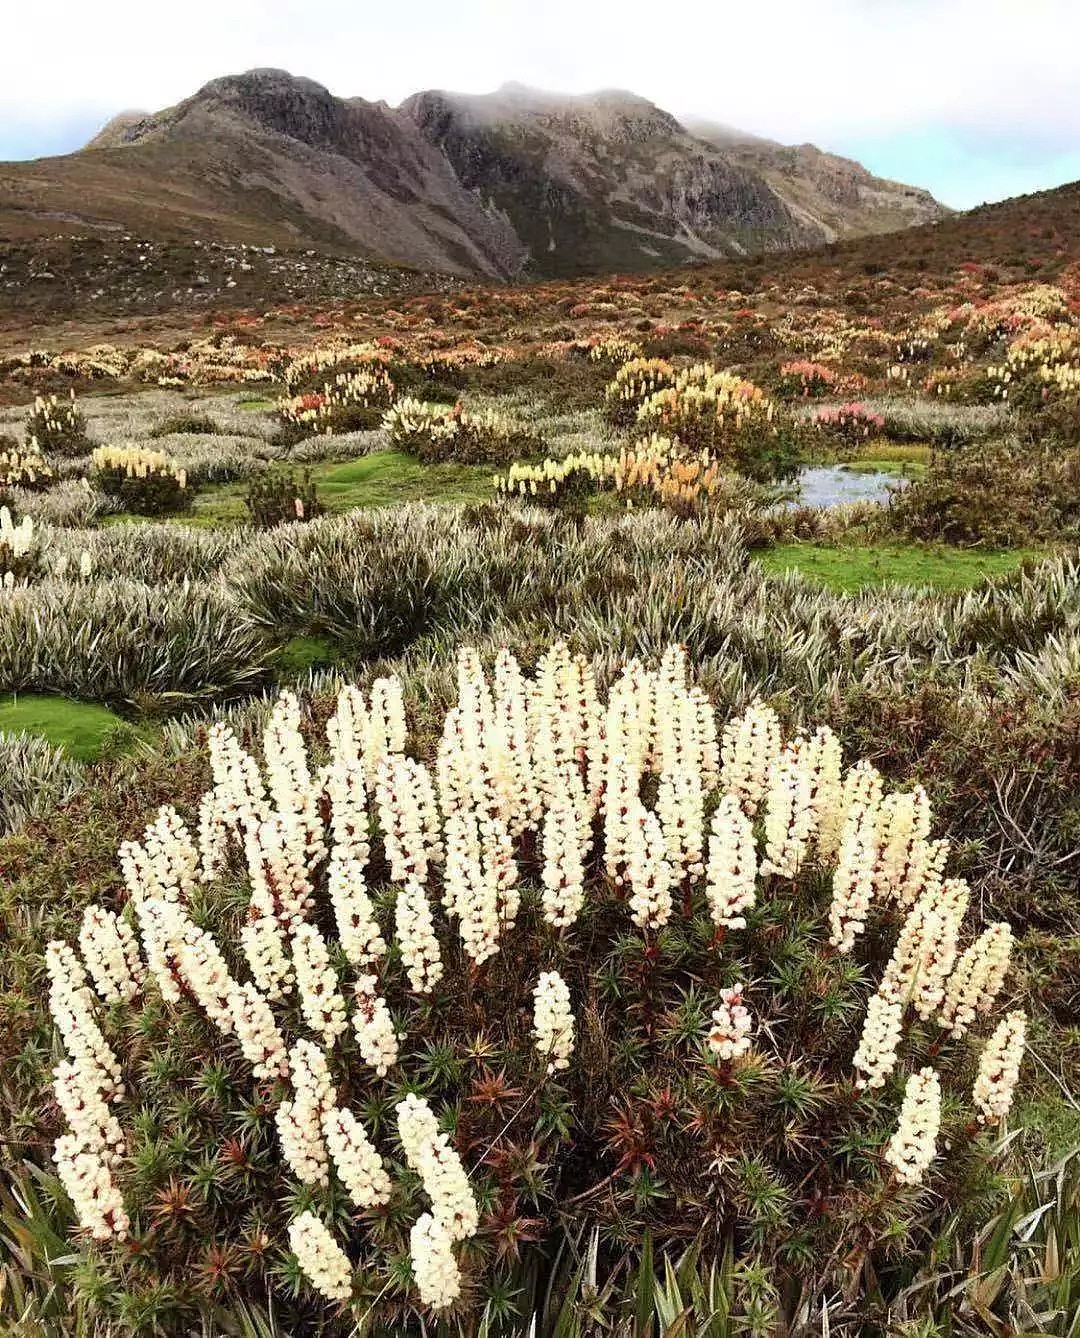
82	729
849	568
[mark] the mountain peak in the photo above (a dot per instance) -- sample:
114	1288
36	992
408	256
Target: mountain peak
265	81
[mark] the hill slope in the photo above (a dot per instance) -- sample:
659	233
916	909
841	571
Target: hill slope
508	183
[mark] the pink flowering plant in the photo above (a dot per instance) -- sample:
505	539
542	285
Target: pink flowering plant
851	425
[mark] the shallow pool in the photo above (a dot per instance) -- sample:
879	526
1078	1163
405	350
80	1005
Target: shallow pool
832	485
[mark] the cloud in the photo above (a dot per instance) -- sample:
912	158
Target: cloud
996	76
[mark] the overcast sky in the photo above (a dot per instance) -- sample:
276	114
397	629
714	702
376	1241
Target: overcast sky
974	99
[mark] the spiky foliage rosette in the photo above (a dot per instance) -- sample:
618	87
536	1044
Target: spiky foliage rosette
390	1018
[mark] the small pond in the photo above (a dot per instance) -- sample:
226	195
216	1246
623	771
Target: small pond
833	485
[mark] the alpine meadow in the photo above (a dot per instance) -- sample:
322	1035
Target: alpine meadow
539	731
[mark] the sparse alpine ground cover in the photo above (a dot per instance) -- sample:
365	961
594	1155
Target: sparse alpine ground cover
972	693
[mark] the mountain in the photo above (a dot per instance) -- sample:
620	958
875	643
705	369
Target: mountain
835	194
509	183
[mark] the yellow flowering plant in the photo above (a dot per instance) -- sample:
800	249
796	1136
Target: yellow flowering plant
147	483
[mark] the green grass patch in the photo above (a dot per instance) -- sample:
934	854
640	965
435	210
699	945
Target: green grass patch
1054	1121
256	405
848	569
302	653
387	477
383	478
883	450
898	459
82	729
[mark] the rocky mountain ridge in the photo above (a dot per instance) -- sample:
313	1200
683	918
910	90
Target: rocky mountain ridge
509	184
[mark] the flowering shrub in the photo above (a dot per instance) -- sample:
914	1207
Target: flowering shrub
851	424
19	549
1041	370
352	400
555	482
23	468
57	427
729	419
435	433
804	380
614	349
634	382
147	483
310	369
280	499
598	961
655	471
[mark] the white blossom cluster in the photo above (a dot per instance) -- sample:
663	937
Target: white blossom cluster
564	851
299	1119
409	818
875	1057
438	1278
72	1006
235	803
430	1154
853	879
416	937
16	540
165	865
487	795
315	1131
903	823
649	871
358	930
453	1217
358	1164
729	1036
789	813
731	873
977	978
749	746
925	974
911	1149
320	1257
321	1000
999	1068
374	1027
87	1156
925	951
553	1020
111	954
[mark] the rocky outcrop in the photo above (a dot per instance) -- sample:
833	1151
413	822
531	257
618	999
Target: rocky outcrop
837	195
